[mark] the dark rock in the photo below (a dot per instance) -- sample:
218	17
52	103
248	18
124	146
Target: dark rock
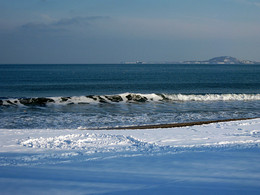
64	99
163	97
136	98
35	101
1	102
129	97
25	101
102	100
92	97
9	102
115	98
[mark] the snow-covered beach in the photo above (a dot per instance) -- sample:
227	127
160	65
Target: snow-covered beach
60	129
214	158
129	97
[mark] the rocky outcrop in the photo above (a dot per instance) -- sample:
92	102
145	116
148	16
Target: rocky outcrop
92	97
64	99
136	98
115	98
35	101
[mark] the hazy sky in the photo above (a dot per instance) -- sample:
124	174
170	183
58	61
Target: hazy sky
111	31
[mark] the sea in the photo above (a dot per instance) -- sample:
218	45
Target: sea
97	96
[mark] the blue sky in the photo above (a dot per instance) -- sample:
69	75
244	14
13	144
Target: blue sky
111	31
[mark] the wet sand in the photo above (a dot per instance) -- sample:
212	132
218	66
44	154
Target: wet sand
159	126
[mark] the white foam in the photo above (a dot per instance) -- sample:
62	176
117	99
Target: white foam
214	97
72	100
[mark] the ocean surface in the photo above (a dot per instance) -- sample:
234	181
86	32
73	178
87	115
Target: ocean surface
111	95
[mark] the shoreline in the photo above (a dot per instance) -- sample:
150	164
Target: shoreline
173	125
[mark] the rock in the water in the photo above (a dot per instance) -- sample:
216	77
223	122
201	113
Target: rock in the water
163	97
1	102
92	97
35	101
102	100
115	98
64	99
137	98
9	102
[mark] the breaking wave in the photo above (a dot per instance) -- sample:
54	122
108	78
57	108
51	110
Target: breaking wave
126	98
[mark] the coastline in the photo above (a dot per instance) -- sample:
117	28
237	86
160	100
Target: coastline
173	125
220	158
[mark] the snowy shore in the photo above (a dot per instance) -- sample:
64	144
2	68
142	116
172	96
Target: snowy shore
212	158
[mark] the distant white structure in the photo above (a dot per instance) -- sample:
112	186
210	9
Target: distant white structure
137	62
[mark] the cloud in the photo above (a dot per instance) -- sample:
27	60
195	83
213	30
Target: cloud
62	24
77	20
250	2
171	29
254	2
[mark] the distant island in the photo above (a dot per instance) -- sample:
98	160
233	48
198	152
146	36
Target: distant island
216	60
221	60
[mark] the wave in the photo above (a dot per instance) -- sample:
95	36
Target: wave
126	98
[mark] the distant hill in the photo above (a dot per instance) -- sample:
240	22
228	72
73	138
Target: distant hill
222	60
216	60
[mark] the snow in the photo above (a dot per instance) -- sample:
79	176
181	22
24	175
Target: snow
244	133
220	158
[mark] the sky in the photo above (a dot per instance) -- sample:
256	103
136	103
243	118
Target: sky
113	31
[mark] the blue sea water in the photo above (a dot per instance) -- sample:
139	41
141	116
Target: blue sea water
109	95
